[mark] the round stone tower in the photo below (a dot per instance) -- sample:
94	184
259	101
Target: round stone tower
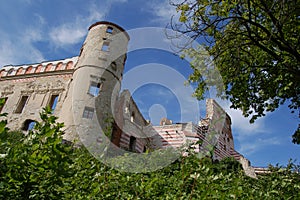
97	77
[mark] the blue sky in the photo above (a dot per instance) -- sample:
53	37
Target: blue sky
35	30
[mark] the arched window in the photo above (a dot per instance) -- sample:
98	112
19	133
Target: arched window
38	69
69	65
48	67
2	72
59	66
10	72
28	70
20	71
28	125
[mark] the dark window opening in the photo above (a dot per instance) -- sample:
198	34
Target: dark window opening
114	66
145	149
10	72
132	117
132	143
105	46
88	113
21	104
53	101
109	30
66	142
2	106
28	125
95	88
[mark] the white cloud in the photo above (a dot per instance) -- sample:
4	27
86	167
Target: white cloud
73	32
240	123
164	10
252	146
19	49
67	34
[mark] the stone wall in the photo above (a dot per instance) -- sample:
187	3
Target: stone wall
30	88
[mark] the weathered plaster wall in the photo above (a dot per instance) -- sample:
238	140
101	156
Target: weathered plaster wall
39	84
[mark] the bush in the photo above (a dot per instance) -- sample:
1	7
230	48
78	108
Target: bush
40	166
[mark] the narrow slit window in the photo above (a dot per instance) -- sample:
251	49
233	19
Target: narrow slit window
95	88
114	66
88	113
21	104
132	117
105	46
1	107
109	30
53	101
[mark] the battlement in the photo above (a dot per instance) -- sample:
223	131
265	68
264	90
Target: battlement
19	71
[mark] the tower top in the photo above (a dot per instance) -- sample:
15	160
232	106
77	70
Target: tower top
111	24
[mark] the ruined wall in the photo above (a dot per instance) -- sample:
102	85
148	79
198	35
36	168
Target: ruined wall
219	127
29	88
214	130
129	119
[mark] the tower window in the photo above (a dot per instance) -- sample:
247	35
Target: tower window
21	104
2	106
132	143
132	117
53	101
95	88
114	66
109	30
88	113
105	46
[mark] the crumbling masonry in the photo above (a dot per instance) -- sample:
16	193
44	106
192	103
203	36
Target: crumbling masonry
68	86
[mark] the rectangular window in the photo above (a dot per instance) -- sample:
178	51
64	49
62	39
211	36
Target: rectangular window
53	101
132	143
95	88
109	30
88	113
1	107
21	104
105	46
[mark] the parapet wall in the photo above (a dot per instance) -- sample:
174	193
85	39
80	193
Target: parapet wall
15	72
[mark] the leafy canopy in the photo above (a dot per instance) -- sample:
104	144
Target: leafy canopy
254	45
39	166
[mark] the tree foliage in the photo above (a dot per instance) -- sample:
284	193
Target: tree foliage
39	166
254	44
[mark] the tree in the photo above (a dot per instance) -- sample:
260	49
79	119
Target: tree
254	45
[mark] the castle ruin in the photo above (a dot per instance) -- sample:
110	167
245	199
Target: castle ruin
87	87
